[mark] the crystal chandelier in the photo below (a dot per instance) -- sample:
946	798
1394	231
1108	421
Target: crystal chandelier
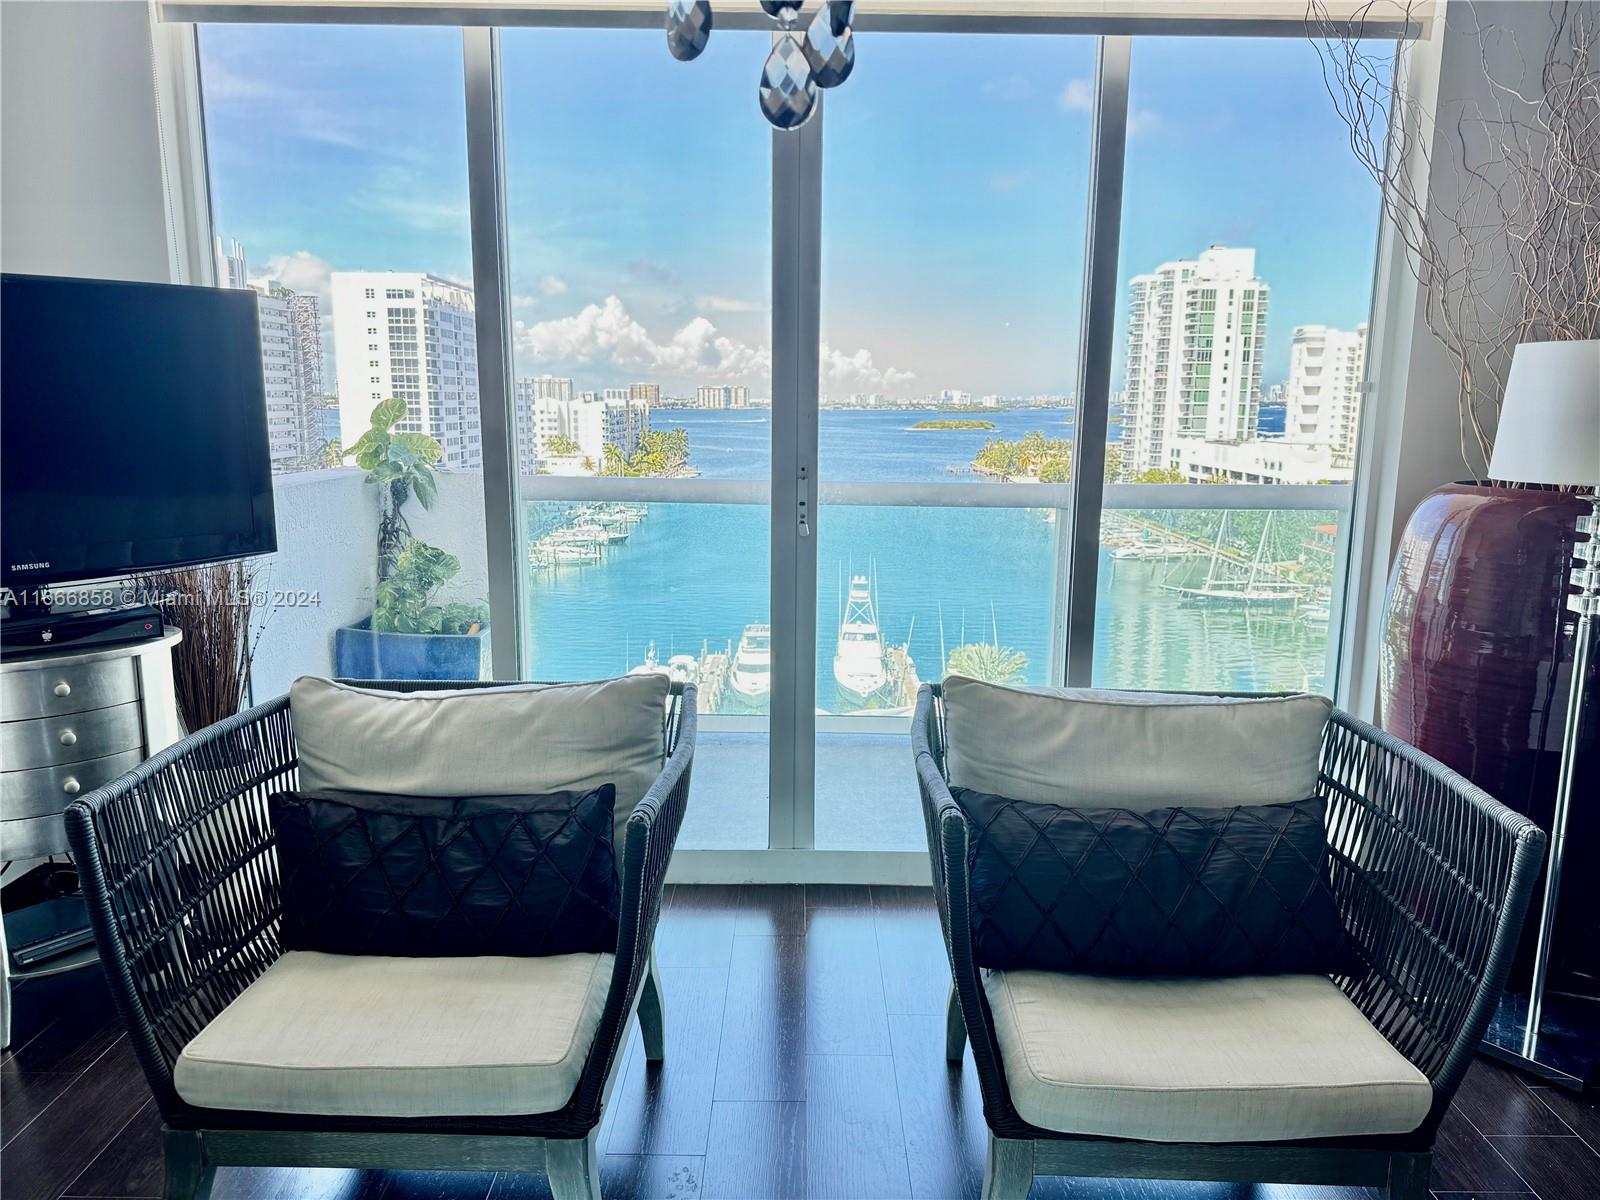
799	63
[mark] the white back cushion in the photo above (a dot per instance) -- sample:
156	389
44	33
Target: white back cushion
1139	750
523	739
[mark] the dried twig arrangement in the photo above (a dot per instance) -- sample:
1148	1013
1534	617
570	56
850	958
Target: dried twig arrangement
213	605
1515	256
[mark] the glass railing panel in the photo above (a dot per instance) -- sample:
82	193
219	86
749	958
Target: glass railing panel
618	587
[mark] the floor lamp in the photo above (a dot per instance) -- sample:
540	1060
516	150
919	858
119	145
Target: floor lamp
1549	433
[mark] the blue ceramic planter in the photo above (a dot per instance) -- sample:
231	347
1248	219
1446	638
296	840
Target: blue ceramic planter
359	653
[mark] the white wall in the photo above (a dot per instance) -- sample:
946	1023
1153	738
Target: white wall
327	546
81	189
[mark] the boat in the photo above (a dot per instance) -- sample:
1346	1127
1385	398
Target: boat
1257	590
574	552
680	668
858	668
751	676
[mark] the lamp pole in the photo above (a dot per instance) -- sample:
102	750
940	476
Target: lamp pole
1586	603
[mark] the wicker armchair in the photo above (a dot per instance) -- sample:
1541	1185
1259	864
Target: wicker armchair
182	882
1432	877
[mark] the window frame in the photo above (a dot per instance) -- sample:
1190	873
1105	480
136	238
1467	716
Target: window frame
796	326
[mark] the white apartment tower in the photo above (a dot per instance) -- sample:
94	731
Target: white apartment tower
548	408
291	361
412	336
1197	331
1327	368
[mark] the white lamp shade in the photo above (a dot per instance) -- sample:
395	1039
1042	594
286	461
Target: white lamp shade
1550	420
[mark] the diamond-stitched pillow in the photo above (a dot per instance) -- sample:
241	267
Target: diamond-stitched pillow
440	877
1165	891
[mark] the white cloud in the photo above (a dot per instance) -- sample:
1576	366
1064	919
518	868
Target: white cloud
1142	120
608	333
553	285
303	271
1078	96
1010	89
425	215
844	373
729	304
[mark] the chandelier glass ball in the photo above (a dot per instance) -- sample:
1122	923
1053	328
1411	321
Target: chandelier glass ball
822	57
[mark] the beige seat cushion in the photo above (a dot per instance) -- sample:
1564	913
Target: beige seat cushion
1247	1059
521	740
1131	749
401	1037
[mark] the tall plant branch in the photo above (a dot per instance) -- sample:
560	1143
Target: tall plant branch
1514	254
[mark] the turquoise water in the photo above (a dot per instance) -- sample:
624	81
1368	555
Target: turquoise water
693	575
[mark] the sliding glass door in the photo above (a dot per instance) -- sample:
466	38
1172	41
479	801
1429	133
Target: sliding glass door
803	417
638	205
955	186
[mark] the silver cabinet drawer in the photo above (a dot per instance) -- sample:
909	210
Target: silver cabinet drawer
48	790
36	837
51	741
46	691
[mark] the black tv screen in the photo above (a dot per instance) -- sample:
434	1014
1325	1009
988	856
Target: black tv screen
133	428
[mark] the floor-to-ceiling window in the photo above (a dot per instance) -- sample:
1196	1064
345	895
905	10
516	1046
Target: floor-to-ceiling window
928	235
1248	236
338	178
638	214
954	181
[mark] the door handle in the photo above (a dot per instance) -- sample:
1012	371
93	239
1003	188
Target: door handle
803	502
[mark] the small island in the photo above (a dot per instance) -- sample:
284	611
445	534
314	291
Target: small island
946	424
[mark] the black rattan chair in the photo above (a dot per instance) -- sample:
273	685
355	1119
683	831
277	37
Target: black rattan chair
1433	878
181	877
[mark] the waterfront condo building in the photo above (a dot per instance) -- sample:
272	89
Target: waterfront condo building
413	336
1327	368
547	409
1196	333
721	396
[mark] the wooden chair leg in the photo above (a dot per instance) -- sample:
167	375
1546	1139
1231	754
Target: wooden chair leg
1409	1175
955	1029
573	1165
188	1176
1008	1171
653	1013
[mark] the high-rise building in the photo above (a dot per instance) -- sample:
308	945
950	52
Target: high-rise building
548	409
231	269
291	361
1327	369
413	336
1197	331
721	396
648	394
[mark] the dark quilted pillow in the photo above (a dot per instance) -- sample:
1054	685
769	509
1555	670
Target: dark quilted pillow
427	877
1165	891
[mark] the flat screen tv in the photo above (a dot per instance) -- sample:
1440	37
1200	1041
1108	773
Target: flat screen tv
133	429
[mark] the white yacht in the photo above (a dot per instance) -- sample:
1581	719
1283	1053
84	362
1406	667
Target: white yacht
858	660
751	676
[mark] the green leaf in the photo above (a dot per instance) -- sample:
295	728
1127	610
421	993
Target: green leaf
387	412
424	447
425	485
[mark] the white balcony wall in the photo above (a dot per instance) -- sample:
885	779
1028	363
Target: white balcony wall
327	547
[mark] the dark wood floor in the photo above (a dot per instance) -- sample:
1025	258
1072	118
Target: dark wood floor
805	1057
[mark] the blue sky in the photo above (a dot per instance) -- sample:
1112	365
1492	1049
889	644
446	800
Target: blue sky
954	196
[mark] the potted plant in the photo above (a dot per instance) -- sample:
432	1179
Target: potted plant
409	635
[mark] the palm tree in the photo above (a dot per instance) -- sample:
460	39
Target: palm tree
988	662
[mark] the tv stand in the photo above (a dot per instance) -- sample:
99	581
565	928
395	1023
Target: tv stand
30	627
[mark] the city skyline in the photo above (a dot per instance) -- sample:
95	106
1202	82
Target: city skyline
661	272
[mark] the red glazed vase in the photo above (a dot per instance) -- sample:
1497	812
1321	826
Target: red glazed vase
1475	636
